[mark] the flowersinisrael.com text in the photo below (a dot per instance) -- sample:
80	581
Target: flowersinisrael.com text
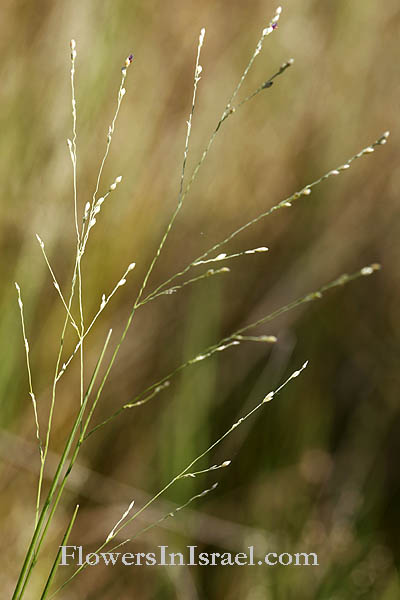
74	555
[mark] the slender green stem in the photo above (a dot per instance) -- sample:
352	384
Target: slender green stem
57	286
268	83
164	517
111	129
287	202
57	558
77	447
181	194
104	303
180	200
37	538
31	549
54	386
206	275
226	113
72	144
231	339
182	474
81	244
31	392
266	398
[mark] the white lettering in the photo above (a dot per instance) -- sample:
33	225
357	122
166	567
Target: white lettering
64	555
89	559
110	557
268	562
289	559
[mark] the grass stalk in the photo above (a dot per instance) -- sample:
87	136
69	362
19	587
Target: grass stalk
233	339
185	472
57	558
286	203
37	538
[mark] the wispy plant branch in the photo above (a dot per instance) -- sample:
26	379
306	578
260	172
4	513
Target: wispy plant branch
183	474
234	339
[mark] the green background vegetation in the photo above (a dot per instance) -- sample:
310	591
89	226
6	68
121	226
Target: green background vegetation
316	470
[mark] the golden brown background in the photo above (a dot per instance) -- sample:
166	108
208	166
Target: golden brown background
317	469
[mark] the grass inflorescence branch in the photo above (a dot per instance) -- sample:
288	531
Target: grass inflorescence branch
186	472
234	339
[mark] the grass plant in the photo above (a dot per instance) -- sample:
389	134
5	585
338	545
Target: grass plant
87	215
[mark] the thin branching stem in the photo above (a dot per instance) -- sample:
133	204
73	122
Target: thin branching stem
184	191
181	195
88	223
268	83
104	302
187	469
41	527
233	339
31	393
286	203
77	275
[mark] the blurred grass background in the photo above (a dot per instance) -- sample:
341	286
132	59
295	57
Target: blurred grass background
317	469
